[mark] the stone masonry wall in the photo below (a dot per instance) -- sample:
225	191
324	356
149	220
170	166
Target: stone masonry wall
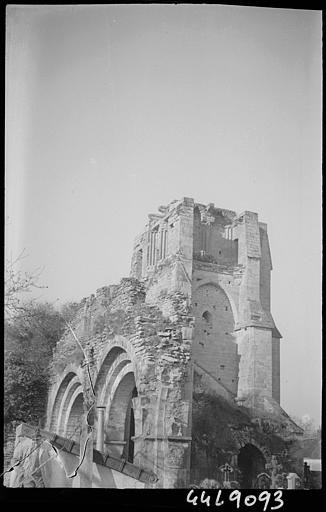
161	348
214	346
166	249
213	235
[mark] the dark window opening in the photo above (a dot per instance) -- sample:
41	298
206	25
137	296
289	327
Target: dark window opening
236	250
130	429
251	463
130	457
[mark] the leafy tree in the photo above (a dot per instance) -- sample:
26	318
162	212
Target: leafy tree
30	338
32	330
24	391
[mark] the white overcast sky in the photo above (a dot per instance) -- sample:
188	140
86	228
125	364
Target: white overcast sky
114	110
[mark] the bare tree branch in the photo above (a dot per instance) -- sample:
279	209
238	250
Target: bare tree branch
17	283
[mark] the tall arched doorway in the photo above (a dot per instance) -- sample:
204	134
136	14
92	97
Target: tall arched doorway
251	463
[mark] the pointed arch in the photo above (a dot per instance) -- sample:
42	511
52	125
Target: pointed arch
215	349
116	388
205	282
66	387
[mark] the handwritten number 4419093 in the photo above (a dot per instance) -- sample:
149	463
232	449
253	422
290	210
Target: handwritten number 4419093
268	498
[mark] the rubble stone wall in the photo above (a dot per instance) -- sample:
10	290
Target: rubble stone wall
118	322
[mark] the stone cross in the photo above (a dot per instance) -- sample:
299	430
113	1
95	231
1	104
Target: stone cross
226	469
274	468
263	481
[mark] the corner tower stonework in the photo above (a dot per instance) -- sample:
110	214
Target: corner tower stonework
221	261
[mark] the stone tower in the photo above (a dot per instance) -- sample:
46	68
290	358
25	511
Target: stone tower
221	261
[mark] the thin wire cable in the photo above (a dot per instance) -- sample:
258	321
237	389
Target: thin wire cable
85	356
183	267
24	458
56	453
75	472
88	372
21	460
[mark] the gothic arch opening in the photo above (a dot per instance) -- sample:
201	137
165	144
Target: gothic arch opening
120	426
251	463
109	359
115	390
63	399
215	349
74	423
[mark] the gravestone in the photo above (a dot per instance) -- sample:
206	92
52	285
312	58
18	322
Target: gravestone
293	480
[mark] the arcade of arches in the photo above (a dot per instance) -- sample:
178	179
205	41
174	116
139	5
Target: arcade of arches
115	389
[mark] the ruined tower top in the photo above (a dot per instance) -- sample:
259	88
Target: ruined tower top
221	262
194	231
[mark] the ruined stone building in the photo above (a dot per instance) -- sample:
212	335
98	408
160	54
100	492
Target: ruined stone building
181	366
